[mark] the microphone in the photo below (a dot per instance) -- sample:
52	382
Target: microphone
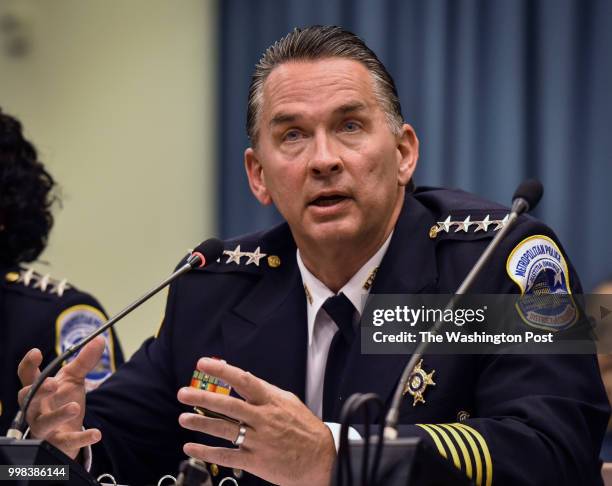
193	472
526	197
206	252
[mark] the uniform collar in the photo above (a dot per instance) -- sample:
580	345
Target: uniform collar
408	266
277	308
356	289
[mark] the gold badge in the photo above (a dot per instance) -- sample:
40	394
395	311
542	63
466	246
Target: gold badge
274	261
418	382
433	231
370	281
12	277
308	296
214	469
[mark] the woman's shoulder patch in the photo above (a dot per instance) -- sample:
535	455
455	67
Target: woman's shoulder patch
74	324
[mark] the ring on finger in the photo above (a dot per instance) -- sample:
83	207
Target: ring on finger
239	440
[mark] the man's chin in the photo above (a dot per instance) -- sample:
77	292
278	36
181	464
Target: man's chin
333	232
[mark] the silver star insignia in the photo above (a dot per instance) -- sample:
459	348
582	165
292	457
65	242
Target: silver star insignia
465	225
42	283
60	287
254	256
483	225
26	276
502	223
445	225
234	255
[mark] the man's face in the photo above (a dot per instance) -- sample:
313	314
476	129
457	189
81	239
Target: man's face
325	154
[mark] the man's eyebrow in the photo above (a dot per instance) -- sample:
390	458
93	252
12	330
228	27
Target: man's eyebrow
281	118
350	107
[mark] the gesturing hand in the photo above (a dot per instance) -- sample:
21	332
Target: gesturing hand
56	412
284	442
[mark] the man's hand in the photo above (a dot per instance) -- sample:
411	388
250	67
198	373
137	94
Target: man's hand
284	444
57	410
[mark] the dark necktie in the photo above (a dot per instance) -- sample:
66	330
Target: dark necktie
341	310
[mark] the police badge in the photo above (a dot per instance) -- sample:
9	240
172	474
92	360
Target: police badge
418	382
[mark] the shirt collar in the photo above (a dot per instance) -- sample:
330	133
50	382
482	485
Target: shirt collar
356	289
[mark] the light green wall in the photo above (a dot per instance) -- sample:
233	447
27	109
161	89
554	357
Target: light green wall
119	98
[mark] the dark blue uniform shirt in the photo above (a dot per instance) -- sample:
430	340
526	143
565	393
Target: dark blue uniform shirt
503	420
37	311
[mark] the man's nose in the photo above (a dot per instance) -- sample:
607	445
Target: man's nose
325	160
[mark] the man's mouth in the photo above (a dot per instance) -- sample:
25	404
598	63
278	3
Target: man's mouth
324	201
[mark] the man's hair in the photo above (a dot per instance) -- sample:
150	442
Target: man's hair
25	196
322	42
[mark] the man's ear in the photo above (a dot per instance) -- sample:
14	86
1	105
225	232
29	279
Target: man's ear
257	181
407	153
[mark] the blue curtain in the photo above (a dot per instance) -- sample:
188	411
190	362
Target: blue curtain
497	91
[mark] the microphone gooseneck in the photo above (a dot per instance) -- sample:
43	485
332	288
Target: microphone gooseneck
203	254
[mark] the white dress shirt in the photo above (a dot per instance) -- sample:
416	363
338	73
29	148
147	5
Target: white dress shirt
321	328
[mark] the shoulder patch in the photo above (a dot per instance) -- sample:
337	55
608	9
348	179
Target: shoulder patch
537	265
539	269
72	325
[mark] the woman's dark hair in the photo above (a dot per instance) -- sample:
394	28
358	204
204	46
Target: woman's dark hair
26	196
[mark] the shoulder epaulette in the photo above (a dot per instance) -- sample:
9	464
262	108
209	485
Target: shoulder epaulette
254	253
243	257
28	277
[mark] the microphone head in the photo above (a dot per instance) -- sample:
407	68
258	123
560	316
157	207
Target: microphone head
208	251
531	191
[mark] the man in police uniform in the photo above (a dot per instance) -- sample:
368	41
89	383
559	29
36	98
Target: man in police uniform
35	310
330	149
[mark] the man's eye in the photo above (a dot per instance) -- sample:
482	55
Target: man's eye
292	136
351	126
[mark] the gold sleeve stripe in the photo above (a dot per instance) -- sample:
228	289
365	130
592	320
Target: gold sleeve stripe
449	444
475	453
485	452
435	438
464	451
